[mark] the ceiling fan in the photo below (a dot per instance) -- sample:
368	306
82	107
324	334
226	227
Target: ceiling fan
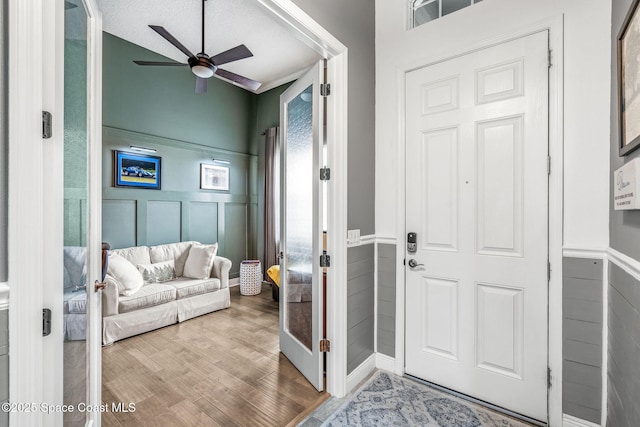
204	66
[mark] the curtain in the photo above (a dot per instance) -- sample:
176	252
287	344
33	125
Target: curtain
271	198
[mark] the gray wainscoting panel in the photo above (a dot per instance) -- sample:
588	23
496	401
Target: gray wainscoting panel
387	299
360	305
203	222
120	228
163	222
624	349
235	235
75	219
582	338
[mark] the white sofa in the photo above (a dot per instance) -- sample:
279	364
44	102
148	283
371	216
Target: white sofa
127	312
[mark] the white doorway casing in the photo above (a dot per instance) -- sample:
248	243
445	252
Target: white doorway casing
37	27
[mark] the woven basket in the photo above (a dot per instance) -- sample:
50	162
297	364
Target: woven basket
250	277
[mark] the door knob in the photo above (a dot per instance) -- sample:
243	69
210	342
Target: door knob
413	263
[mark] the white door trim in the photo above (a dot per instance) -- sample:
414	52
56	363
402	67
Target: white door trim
26	227
319	39
555	26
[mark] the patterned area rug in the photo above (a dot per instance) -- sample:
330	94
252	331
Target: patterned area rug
388	400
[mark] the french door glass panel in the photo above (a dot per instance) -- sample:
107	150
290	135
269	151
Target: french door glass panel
301	228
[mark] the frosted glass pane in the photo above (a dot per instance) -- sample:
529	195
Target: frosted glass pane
299	216
76	211
450	6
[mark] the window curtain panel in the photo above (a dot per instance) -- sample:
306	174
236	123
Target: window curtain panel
271	198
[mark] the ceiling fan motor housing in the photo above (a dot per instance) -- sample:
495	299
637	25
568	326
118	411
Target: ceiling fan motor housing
202	66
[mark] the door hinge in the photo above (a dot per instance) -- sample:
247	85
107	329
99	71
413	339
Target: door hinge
47	131
548	377
46	322
325	174
549	59
325	346
325	89
325	260
548	165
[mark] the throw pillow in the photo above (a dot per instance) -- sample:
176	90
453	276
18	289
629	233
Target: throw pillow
127	275
200	261
158	272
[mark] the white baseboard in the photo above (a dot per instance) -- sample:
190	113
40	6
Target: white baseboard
234	282
571	421
4	296
385	362
361	372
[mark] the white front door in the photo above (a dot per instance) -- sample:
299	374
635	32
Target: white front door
301	207
477	199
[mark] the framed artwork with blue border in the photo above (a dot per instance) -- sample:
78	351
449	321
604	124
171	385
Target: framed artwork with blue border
136	170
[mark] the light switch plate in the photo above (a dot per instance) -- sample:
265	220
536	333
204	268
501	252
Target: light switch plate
353	238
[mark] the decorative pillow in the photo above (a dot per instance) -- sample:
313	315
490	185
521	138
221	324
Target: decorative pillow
158	272
127	275
200	261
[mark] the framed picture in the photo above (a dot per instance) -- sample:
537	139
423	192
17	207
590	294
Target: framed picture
136	170
629	81
214	177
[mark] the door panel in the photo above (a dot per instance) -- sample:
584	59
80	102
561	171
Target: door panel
301	299
477	197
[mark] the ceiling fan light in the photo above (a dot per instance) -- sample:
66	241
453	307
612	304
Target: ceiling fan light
202	71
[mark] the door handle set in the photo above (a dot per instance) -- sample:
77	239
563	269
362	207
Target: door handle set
413	263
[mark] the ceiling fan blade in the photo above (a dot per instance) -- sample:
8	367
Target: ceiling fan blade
237	78
233	54
164	64
164	33
201	85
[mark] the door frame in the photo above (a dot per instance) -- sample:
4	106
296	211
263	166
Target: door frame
36	27
302	26
555	27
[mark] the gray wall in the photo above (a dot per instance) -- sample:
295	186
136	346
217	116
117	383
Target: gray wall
624	295
360	300
624	349
4	364
582	338
4	142
353	23
386	299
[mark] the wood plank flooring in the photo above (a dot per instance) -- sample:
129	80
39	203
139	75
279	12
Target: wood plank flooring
220	369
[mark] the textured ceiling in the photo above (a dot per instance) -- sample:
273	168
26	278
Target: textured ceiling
278	56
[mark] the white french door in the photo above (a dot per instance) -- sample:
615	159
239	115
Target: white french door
477	199
301	205
73	205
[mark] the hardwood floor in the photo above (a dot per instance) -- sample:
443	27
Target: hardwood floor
220	369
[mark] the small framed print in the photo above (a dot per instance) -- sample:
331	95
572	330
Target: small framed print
214	177
629	81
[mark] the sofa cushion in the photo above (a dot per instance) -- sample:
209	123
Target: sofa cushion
189	287
150	295
172	251
135	255
126	274
158	272
75	302
200	261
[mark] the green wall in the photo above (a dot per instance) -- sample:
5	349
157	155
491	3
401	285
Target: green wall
157	107
161	101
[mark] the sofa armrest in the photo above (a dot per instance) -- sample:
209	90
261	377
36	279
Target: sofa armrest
220	270
110	296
